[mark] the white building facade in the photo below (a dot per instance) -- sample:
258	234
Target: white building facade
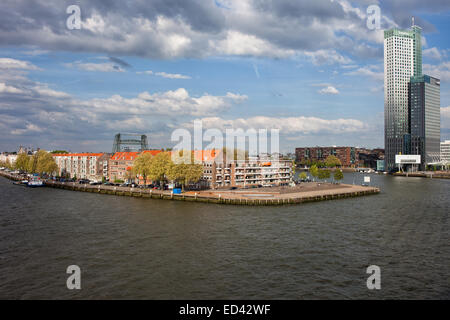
445	152
402	60
92	166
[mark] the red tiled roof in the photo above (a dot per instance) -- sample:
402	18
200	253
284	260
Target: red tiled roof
206	155
129	156
125	156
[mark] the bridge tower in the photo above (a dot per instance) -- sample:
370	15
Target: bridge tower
123	142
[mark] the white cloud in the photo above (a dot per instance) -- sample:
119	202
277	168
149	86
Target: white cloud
43	90
172	75
28	129
321	57
369	71
165	75
288	125
240	44
441	71
328	90
167	103
432	53
8	89
12	64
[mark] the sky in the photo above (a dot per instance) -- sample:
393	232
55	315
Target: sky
312	69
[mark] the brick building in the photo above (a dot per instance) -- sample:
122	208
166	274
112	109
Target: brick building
121	163
347	155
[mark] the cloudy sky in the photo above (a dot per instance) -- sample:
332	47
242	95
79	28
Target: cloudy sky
312	69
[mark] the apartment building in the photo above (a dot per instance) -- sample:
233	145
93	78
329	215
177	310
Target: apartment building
8	157
121	163
218	171
347	155
82	165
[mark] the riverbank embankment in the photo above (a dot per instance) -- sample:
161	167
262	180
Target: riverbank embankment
305	192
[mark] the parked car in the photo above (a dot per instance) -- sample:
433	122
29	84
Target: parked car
83	181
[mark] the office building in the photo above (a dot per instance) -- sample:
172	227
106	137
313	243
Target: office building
445	152
424	119
402	60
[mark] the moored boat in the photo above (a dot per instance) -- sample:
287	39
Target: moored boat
35	182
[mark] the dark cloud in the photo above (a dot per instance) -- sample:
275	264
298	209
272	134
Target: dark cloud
166	29
403	10
120	62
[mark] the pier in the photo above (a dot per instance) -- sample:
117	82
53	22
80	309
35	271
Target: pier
251	197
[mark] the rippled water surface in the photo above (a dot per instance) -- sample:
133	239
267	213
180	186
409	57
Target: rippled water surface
156	249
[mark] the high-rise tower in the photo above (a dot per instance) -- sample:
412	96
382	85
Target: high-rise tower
425	118
402	60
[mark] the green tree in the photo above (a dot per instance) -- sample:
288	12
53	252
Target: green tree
22	162
184	173
338	175
8	164
159	167
58	151
45	163
332	162
324	174
32	163
193	173
303	175
314	171
142	165
176	172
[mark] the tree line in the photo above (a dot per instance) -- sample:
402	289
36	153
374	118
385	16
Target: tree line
323	174
41	162
330	162
161	168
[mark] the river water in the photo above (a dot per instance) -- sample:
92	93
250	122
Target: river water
157	249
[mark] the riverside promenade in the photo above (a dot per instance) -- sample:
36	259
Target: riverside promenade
307	192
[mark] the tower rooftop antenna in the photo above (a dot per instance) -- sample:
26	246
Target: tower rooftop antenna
413	21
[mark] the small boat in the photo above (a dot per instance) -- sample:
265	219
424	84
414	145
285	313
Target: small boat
35	182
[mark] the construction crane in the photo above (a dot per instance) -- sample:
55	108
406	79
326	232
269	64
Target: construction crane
123	141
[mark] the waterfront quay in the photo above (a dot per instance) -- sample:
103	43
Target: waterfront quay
431	175
306	192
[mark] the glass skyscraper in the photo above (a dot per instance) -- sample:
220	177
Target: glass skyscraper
425	118
402	60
